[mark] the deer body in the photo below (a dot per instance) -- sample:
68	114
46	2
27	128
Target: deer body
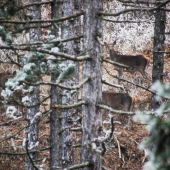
135	62
118	101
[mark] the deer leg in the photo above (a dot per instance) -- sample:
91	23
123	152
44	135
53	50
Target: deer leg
120	73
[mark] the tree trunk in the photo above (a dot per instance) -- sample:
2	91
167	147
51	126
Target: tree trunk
92	91
33	130
158	57
55	121
70	28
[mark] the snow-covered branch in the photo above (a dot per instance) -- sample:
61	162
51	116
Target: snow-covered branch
69	106
41	50
59	84
120	112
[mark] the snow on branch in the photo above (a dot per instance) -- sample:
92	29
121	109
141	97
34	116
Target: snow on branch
57	107
26	100
120	112
41	50
59	84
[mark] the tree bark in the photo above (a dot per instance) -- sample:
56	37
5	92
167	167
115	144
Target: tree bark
69	29
92	91
33	130
158	57
55	122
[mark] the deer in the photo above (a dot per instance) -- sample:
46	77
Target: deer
118	101
135	62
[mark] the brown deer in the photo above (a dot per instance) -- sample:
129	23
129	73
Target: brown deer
135	62
118	101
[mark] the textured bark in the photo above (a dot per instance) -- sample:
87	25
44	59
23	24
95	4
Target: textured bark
55	122
69	29
158	57
92	91
33	130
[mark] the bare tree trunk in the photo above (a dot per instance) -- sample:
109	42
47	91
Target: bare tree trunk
33	130
70	28
158	57
55	121
92	91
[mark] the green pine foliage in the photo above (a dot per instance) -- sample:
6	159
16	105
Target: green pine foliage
158	144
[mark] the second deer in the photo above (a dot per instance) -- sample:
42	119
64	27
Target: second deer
135	62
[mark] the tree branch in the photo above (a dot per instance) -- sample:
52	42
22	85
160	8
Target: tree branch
120	112
23	153
20	104
44	21
113	85
52	41
64	55
59	85
11	136
133	9
115	63
78	166
70	106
